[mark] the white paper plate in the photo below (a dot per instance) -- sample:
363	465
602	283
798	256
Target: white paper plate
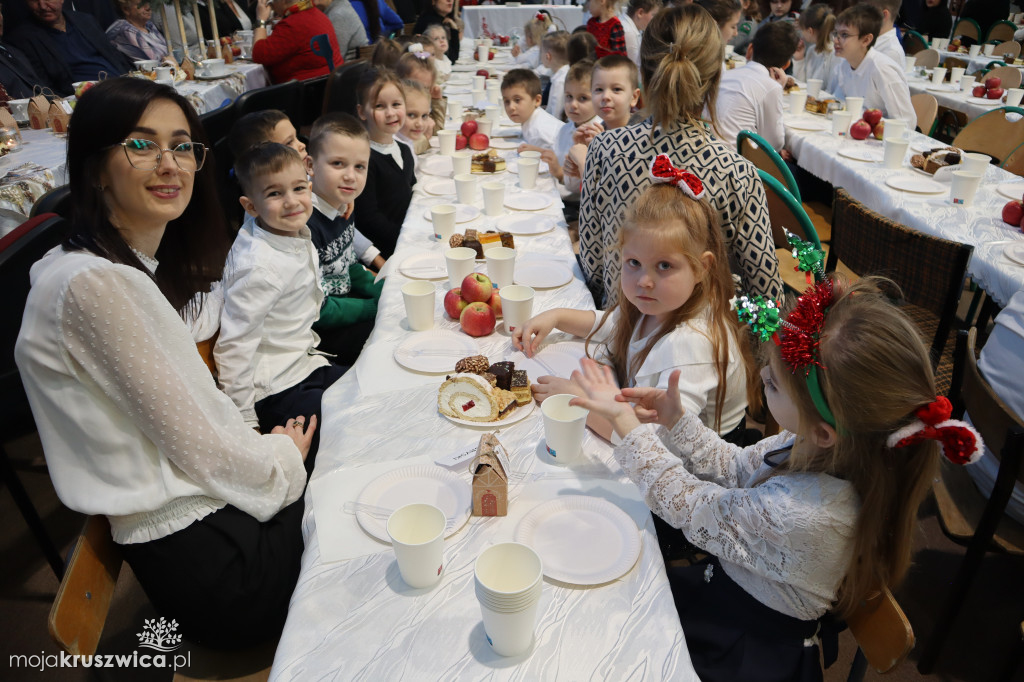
441	187
915	184
542	274
507	131
524	225
556	359
860	153
437	165
923	146
1015	252
435	351
424	484
581	540
499	143
1011	190
984	101
463	213
459	89
424	266
518	414
527	201
942	88
805	123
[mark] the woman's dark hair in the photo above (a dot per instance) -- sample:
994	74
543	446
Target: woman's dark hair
194	245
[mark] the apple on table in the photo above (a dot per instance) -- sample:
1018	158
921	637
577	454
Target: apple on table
477	319
860	130
979	91
477	288
1013	213
479	141
454	304
872	116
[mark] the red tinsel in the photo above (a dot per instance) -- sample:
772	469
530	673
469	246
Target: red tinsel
799	346
959	443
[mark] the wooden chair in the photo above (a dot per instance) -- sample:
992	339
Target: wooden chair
913	42
929	270
967	28
340	91
928	59
364	52
927	108
883	633
1014	162
1010	75
992	133
966	516
1001	31
785	211
756	149
1008	50
954	63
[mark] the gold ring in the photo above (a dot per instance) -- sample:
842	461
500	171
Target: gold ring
297	423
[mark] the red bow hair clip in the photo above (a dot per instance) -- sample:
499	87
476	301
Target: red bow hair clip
541	16
961	444
662	170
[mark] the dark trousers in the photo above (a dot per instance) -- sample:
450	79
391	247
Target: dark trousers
345	343
226	578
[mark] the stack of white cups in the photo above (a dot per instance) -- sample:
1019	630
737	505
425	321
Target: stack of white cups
509	581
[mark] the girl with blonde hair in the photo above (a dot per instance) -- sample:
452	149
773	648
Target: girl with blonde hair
815	56
533	33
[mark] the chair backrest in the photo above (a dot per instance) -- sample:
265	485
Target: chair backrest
217	123
340	92
321	47
927	108
786	212
967	28
1002	30
929	270
1010	75
284	96
992	133
1014	162
913	42
407	29
364	51
1010	47
57	200
80	608
313	91
882	631
755	149
927	58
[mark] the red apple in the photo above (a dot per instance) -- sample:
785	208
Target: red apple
879	130
479	141
477	288
1013	212
454	303
495	303
477	319
978	91
461	142
468	128
860	130
873	116
483	72
996	93
993	83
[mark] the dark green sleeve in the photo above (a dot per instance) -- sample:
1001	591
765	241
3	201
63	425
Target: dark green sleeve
363	285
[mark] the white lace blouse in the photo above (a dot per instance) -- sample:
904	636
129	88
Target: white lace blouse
786	539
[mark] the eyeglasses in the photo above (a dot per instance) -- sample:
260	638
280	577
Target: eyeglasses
841	37
146	155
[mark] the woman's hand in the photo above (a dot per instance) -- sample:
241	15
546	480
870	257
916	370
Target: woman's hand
603	397
548	386
293	429
263	10
656	405
533	332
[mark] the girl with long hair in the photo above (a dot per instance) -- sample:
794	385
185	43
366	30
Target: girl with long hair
814	57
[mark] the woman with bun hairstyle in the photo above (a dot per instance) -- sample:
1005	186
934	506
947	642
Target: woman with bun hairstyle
680	66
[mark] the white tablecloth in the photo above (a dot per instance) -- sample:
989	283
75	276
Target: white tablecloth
980	225
946	97
207	95
356	619
504	20
974	64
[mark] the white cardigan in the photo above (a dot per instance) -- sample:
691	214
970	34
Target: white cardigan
132	424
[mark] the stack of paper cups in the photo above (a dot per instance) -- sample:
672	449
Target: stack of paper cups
509	580
564	426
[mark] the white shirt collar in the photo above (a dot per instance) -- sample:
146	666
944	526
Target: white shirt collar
321	205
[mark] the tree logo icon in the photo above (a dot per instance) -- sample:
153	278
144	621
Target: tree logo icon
159	635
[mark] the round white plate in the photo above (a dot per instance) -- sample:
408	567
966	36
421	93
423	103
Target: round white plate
513	167
924	146
518	414
499	143
557	359
805	123
463	213
463	89
915	184
527	201
581	540
984	101
424	484
522	225
542	274
1011	190
435	351
1015	252
942	88
437	165
441	187
424	266
861	153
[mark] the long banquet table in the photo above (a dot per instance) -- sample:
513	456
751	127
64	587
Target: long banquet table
951	98
355	619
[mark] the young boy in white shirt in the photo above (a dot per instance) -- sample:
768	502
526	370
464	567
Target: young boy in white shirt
886	42
751	97
863	72
554	55
520	90
635	16
266	352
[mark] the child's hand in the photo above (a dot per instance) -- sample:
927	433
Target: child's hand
428	128
533	332
294	431
435	91
799	54
528	148
587	132
516	50
778	75
555	168
570	168
603	397
548	386
656	405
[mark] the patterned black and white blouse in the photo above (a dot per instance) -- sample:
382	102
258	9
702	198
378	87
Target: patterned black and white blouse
617	171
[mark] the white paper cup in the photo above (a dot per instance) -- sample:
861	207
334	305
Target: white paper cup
492	83
987	50
955	74
503	604
974	50
146	64
494	96
481	53
909	63
462	163
479	82
894	128
417	536
501	265
446	141
484	126
454	110
528	169
840	123
938	75
442	217
963	188
967	84
164	72
510	634
516	305
895	151
529	154
419	304
814	87
492	114
479	96
465	188
19	109
509	572
1013	97
797	100
855	105
460	262
564	426
487	42
973	162
494	198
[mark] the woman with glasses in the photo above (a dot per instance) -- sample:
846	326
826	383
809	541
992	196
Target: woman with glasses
205	510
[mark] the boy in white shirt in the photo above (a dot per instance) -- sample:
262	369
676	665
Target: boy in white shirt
554	55
634	18
520	90
579	109
886	42
863	72
751	97
266	353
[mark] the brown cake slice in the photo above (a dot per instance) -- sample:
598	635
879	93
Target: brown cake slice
502	372
474	364
521	387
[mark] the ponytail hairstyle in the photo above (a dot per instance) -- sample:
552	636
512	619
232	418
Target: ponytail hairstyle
876	374
386	53
536	27
680	224
681	66
820	18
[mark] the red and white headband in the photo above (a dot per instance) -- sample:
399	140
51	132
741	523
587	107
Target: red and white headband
960	443
662	170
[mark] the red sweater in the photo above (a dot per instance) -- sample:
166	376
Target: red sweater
286	52
610	37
